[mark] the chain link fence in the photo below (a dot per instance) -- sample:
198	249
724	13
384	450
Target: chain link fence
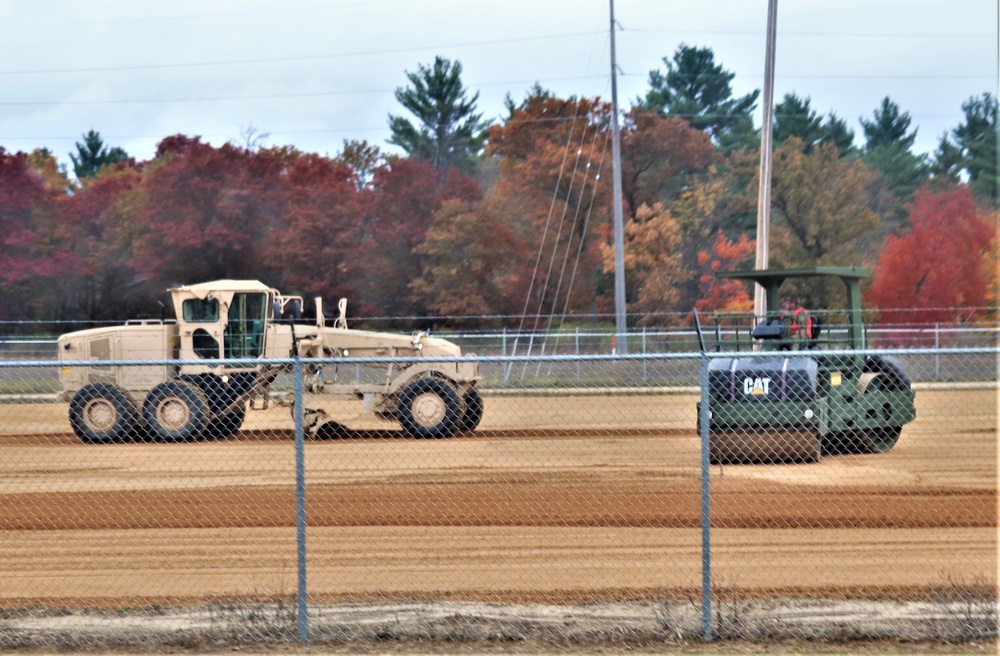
599	499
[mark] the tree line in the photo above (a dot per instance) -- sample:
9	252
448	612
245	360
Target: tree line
509	221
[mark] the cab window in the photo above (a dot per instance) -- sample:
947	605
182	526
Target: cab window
201	310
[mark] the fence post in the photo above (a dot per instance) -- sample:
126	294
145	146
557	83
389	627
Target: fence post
576	342
645	363
704	421
937	354
300	504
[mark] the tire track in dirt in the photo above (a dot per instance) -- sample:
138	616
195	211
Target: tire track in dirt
575	501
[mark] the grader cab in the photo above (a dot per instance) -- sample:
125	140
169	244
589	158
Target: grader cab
224	333
808	388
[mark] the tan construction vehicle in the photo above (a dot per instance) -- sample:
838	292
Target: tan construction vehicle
248	321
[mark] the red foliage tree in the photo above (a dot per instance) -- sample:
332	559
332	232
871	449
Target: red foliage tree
396	214
553	195
33	242
724	295
206	211
312	247
99	218
938	270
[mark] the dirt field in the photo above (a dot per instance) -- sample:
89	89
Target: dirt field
557	499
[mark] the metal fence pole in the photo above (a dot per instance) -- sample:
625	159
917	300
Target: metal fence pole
576	343
300	504
937	356
706	506
645	362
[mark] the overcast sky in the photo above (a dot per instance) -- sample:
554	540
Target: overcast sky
312	73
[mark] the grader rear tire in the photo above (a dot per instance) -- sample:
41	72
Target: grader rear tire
176	411
102	414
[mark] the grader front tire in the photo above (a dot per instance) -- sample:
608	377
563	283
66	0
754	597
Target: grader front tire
473	411
429	408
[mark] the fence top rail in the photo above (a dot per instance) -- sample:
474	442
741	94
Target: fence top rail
987	327
595	357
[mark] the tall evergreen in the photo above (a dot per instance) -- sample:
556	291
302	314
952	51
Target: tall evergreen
696	88
977	140
92	154
888	143
795	117
448	132
888	127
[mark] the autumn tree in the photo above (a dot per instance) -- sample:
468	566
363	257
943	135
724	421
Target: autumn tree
449	132
206	211
100	218
699	90
652	265
942	267
819	207
92	154
725	295
395	216
659	157
33	243
471	262
44	162
311	247
362	158
724	200
554	166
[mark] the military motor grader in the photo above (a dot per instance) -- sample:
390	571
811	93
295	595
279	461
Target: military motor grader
250	322
809	390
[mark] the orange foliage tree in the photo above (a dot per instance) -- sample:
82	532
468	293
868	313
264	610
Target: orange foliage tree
553	160
725	295
652	263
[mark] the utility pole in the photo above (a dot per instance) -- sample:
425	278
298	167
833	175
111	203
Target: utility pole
766	129
621	326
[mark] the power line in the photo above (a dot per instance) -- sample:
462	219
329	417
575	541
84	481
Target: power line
813	34
296	58
285	9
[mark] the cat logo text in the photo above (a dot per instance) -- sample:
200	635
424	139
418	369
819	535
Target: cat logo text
756	386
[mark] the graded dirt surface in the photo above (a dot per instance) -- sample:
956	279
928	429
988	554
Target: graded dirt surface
555	499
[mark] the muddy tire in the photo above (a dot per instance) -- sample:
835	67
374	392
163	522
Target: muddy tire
102	414
226	425
429	408
473	411
176	411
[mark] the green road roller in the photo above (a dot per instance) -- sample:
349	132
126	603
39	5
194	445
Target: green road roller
805	386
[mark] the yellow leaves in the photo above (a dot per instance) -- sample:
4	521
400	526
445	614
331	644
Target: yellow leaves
44	162
820	203
652	259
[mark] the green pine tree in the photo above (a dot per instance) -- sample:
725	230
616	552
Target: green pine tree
449	132
696	88
795	117
888	141
976	139
92	154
